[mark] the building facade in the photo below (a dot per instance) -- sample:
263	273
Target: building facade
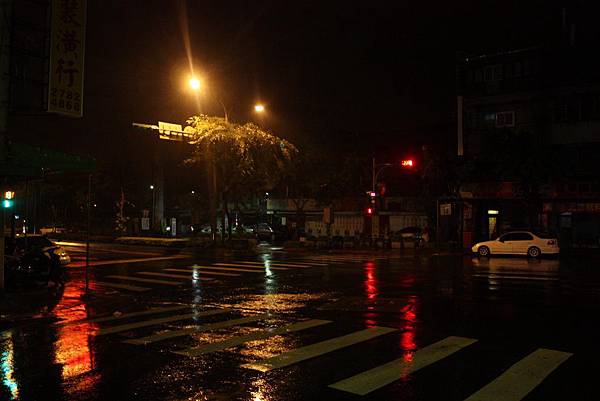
530	134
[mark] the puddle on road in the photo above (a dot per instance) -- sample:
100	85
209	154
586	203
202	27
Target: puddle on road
274	303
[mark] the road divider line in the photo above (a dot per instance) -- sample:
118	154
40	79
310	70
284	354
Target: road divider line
259	335
522	377
121	286
308	262
154	322
250	266
205	327
204	272
177	276
144	280
373	379
150	311
314	350
120	261
275	264
233	269
499	276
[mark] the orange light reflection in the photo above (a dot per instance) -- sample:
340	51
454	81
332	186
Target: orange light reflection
72	347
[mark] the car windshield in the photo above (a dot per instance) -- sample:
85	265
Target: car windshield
31	242
545	235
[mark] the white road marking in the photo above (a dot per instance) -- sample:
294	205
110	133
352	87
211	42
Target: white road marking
177	276
250	266
144	280
498	276
274	264
204	272
154	322
373	379
150	311
233	269
314	350
121	286
522	377
205	327
259	335
120	261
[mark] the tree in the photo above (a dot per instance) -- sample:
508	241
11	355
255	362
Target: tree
246	159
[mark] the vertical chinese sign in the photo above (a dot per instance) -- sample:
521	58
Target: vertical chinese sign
67	48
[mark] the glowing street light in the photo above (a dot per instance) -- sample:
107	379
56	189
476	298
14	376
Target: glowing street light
194	83
259	108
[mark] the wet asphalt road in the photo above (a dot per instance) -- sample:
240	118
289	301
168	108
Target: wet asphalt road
328	326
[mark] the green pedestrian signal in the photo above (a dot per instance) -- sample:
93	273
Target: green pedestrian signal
7	203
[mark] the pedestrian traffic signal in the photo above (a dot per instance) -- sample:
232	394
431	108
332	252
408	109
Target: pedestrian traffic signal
408	163
8	200
369	211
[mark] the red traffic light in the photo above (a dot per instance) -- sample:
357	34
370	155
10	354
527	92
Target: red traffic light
408	163
369	211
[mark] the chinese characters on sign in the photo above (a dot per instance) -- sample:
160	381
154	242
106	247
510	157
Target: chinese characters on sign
65	89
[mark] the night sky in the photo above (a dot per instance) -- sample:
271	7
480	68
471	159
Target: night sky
380	74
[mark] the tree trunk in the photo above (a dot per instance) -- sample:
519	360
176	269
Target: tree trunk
226	214
212	192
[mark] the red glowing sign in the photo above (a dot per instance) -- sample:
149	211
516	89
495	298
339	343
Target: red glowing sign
408	163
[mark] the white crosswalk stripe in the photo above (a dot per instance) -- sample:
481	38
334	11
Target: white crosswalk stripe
262	267
259	335
144	280
314	350
177	276
154	322
121	286
206	327
521	378
204	272
373	379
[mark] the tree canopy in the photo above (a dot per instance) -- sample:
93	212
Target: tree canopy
248	159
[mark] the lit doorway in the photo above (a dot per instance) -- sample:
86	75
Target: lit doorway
493	223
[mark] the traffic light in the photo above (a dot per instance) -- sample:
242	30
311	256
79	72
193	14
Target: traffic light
369	211
408	163
8	200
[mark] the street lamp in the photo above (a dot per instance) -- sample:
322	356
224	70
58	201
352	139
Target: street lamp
377	168
153	203
259	108
195	86
194	83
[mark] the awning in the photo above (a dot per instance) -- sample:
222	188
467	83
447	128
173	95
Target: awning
25	161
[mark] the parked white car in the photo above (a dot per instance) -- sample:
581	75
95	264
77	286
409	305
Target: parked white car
518	243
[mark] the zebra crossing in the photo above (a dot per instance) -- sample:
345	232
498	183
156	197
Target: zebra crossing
514	384
220	270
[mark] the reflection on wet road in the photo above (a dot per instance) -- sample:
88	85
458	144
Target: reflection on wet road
324	326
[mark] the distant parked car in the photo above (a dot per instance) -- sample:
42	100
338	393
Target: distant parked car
262	231
52	230
518	243
410	233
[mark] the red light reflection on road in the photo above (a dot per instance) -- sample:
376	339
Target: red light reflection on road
72	347
409	320
370	281
372	292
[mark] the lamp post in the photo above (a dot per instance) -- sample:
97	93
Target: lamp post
153	204
375	172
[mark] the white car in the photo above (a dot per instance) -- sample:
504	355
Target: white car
518	243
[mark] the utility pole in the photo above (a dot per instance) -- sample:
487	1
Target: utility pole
6	11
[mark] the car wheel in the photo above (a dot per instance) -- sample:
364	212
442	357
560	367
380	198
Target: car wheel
534	252
483	251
